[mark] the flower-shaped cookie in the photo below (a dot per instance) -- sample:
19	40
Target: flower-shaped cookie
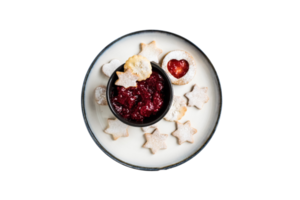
140	66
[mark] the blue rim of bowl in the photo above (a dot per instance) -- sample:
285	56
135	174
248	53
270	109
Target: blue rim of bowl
128	164
168	82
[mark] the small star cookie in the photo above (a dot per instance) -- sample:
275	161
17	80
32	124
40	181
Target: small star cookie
116	128
150	51
155	141
126	79
148	128
184	132
197	97
109	68
177	109
100	95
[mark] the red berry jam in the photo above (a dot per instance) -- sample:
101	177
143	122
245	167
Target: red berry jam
178	68
137	103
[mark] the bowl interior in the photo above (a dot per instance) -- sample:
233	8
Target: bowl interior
167	91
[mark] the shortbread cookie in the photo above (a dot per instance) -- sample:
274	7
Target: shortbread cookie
116	128
180	67
109	68
177	109
126	79
140	66
155	141
147	129
184	132
100	95
197	97
150	51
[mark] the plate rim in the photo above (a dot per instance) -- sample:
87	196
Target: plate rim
136	166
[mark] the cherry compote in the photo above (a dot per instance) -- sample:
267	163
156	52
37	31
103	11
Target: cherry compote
137	103
178	68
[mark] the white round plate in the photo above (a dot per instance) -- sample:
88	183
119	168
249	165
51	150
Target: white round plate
128	150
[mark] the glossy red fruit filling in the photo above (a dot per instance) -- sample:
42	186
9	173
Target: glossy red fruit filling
178	68
137	103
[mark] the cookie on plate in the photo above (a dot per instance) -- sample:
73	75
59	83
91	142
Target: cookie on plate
177	110
197	97
116	128
100	95
110	67
150	51
155	141
180	67
126	79
140	66
184	132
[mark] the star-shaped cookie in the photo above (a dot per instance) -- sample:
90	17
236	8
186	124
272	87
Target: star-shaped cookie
126	79
116	128
155	141
184	132
150	51
197	97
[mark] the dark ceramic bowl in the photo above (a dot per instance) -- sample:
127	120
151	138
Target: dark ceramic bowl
168	98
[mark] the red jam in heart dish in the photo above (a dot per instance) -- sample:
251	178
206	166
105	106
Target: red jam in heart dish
136	103
178	68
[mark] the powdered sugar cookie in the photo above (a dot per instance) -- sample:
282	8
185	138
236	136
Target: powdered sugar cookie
100	95
126	79
177	109
150	51
148	129
197	97
140	66
180	67
184	132
110	67
116	128
155	141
